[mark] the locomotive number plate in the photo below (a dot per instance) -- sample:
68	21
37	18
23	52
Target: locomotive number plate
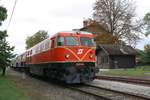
79	64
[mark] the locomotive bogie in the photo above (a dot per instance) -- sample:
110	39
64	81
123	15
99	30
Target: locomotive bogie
67	72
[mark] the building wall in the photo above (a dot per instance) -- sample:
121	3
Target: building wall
122	61
102	60
113	62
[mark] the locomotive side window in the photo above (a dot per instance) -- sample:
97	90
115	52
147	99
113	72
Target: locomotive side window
87	41
72	41
60	41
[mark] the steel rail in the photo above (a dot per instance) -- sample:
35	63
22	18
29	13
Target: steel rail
138	96
125	79
99	97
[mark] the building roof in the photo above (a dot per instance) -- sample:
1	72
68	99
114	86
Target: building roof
112	49
93	27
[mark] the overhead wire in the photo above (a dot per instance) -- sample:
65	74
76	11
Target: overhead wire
12	13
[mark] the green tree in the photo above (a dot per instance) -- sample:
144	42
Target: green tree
5	52
36	38
147	53
3	14
144	55
5	49
147	23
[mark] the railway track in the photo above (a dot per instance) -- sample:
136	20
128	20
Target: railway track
125	79
99	93
107	94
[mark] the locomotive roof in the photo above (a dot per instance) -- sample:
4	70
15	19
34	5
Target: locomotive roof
62	32
75	32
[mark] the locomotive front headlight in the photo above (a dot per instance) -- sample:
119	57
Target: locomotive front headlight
91	56
67	56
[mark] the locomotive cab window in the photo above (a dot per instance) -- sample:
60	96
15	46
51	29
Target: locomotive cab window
87	41
60	41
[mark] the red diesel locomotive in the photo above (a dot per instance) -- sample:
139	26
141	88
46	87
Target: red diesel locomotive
66	56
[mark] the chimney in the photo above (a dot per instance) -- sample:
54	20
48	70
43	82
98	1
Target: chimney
85	23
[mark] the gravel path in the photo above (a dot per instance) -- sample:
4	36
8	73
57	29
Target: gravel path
40	90
131	88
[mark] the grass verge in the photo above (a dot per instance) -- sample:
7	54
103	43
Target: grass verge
139	71
9	90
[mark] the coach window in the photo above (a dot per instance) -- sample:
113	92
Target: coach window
28	53
31	52
60	41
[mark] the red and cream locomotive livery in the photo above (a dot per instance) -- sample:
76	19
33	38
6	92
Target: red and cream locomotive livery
66	56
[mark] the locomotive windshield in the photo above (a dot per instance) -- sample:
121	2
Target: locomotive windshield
69	41
74	41
87	41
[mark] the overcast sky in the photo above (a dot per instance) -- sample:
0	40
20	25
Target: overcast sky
53	16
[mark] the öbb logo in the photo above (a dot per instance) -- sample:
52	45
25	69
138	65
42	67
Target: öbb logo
80	51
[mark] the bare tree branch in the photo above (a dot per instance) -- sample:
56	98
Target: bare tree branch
116	17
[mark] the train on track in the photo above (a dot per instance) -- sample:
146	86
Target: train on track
66	56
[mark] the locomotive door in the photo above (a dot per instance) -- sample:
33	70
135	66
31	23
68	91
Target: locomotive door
53	45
